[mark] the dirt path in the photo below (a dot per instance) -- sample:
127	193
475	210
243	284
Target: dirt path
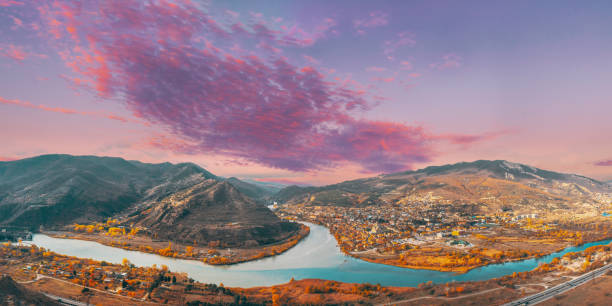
441	297
41	276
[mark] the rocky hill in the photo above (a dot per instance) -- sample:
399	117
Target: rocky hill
258	192
494	185
212	210
58	190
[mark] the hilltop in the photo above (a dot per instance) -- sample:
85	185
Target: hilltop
494	185
180	202
253	189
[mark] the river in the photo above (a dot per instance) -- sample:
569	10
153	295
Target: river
316	256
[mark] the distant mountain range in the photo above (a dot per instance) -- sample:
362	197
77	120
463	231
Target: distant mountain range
494	185
256	190
182	202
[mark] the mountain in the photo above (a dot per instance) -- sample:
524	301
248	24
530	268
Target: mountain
493	184
271	186
212	210
252	189
58	190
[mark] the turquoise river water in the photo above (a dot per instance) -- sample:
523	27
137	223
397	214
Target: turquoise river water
316	256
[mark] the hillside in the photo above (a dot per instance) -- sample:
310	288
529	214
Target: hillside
58	190
12	293
212	210
494	185
258	192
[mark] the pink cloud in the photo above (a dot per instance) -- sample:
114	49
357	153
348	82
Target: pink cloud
386	80
170	65
18	53
17	22
448	61
232	13
62	110
373	20
14	52
7	3
281	180
459	139
234	162
402	39
376	69
311	59
406	65
6	158
604	163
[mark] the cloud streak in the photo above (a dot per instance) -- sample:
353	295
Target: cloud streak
62	110
604	163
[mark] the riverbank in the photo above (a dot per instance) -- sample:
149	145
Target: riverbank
460	251
434	256
126	284
316	257
209	255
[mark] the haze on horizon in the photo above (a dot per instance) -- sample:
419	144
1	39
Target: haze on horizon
309	92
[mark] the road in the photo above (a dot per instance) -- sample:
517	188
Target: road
440	297
77	303
63	300
550	292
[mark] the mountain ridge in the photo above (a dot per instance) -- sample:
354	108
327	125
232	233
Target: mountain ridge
496	183
57	190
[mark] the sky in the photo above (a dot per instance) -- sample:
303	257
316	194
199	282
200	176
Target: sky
310	92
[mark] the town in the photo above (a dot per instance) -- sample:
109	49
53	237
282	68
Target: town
430	235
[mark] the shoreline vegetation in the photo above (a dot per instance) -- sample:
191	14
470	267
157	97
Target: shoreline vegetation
434	257
466	269
509	241
105	283
462	270
132	239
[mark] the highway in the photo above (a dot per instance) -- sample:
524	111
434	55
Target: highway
550	292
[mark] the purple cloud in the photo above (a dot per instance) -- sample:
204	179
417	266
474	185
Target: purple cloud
373	20
402	39
604	163
448	61
176	66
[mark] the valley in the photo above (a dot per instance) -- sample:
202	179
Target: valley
174	210
418	240
495	223
101	282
